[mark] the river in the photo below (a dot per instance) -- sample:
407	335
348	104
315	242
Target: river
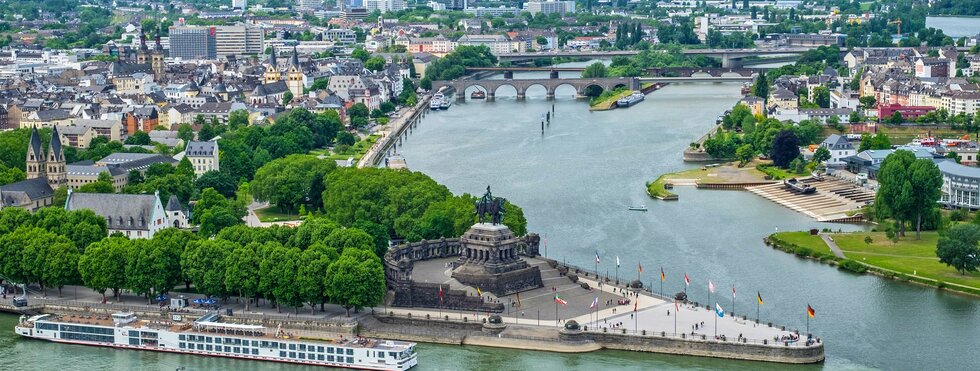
955	27
574	182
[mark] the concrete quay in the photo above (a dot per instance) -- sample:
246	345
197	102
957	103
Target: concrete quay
833	201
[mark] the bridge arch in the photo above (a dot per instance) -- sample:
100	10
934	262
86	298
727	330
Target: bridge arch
554	89
518	89
534	85
592	89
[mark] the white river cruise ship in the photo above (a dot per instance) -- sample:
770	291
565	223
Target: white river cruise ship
208	336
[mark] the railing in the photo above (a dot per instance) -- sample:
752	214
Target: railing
800	342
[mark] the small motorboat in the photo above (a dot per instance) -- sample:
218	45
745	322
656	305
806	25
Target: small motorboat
479	94
638	208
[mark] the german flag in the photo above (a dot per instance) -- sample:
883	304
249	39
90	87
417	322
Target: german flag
809	311
663	277
759	297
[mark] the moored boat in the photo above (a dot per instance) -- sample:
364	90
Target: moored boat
209	336
630	100
479	94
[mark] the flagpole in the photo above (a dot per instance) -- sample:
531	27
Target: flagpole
556	312
676	313
808	323
716	321
617	273
758	306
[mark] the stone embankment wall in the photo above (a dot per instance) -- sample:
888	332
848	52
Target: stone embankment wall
443	331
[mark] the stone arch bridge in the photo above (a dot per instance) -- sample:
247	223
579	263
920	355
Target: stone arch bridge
550	85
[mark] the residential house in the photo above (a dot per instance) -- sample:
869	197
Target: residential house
203	155
839	148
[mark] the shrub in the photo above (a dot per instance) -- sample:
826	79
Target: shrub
803	252
853	266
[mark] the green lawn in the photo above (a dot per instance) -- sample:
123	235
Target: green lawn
656	189
804	239
778	174
272	214
358	150
909	256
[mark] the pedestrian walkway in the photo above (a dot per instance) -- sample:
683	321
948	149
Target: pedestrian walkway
832	245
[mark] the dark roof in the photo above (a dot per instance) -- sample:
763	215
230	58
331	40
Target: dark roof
34	189
195	148
173	204
122	211
55	146
35	142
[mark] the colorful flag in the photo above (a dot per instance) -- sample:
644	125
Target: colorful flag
518	299
759	296
663	277
711	287
733	291
440	294
634	305
560	300
597	257
479	292
809	311
617	261
720	312
687	281
595	303
639	267
677	307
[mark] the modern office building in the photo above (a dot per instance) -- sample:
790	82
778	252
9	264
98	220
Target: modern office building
961	185
193	42
385	5
238	40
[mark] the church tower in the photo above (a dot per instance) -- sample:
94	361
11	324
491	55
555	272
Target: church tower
143	53
56	169
35	156
272	69
156	60
294	75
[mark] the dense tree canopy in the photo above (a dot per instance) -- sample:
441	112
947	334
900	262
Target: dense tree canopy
454	64
959	248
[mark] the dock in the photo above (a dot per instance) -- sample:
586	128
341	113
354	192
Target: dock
834	201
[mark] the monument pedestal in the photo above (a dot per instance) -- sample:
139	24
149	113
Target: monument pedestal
489	261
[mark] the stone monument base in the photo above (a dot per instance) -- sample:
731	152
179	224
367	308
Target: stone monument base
489	260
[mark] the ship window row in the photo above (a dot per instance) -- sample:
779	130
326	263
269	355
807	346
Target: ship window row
87	329
219	348
315	357
88	337
217	340
144	334
47	326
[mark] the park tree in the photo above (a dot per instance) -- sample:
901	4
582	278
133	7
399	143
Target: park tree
287	97
103	265
345	138
217	180
877	141
425	83
854	117
203	261
785	148
356	280
82	227
288	182
61	264
821	154
242	272
595	70
926	182
959	249
278	269
310	278
895	193
343	239
744	154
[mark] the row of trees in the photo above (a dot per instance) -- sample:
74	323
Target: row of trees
403	204
908	190
319	262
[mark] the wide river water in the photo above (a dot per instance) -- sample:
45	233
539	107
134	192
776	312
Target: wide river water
574	182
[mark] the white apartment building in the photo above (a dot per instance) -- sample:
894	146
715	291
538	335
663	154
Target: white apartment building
549	7
498	44
203	155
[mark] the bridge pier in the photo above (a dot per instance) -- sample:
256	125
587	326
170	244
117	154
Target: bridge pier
554	74
520	95
509	75
550	95
730	61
